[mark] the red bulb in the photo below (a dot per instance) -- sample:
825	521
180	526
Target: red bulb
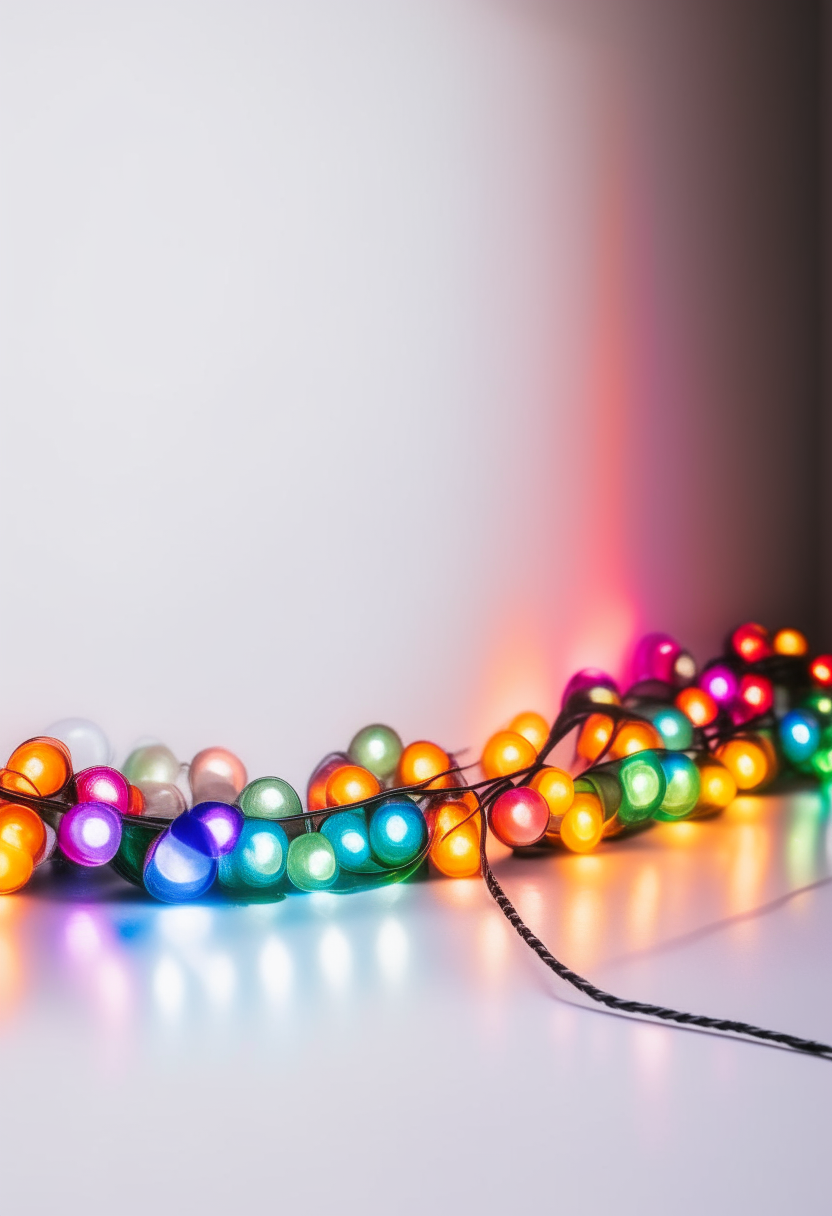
519	817
755	697
751	642
821	669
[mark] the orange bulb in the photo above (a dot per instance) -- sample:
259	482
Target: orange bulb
583	824
350	783
717	786
16	867
422	760
135	800
22	828
594	736
455	847
40	765
697	705
634	737
746	761
790	641
531	726
557	787
506	753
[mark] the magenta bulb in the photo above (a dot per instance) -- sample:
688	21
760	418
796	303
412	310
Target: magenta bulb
591	684
721	682
103	784
654	658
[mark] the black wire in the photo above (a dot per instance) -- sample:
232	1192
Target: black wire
640	1009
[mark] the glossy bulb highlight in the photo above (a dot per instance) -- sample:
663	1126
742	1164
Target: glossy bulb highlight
89	833
519	817
582	826
378	749
720	683
103	784
643	787
506	753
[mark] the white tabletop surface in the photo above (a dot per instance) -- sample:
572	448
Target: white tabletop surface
402	1050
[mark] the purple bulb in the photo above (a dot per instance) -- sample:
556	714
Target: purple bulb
224	823
592	684
654	658
103	784
721	682
90	833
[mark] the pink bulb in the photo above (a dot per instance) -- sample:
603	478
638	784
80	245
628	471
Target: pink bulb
216	775
654	658
103	784
519	817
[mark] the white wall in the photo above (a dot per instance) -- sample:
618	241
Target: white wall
386	361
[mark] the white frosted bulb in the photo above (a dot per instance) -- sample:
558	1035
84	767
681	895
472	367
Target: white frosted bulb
87	743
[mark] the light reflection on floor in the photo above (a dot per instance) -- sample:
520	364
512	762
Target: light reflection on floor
699	914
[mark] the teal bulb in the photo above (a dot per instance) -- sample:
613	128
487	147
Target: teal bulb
398	832
259	857
269	798
682	794
312	864
643	787
800	736
347	833
154	763
377	748
675	728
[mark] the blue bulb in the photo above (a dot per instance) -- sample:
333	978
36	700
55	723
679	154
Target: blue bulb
175	871
675	728
799	735
347	833
258	859
397	832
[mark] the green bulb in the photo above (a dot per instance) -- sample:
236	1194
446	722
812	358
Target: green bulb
675	728
269	798
377	748
821	761
312	865
155	763
682	793
821	703
643	787
136	839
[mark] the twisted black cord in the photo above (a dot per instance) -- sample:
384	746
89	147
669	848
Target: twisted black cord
639	1008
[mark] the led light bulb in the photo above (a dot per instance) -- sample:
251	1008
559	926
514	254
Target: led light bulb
697	705
312	865
790	641
531	726
591	684
216	775
398	832
800	735
717	787
455	841
347	832
820	668
152	763
422	760
672	724
632	737
316	787
269	798
258	858
557	788
40	766
751	642
582	826
506	753
377	748
654	658
351	783
519	817
103	784
89	833
178	869
22	828
746	761
720	683
683	786
594	736
643	787
224	824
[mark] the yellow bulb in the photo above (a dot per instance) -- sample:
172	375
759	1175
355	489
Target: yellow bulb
790	641
634	737
455	843
422	760
746	761
531	726
594	737
557	787
22	828
717	786
506	753
583	824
